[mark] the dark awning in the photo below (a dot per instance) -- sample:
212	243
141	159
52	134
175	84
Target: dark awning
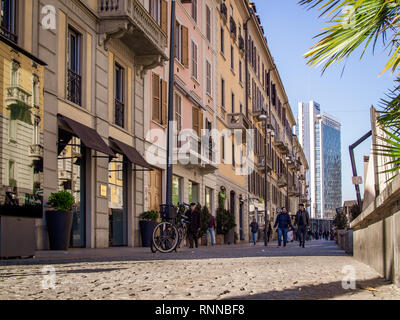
132	154
89	137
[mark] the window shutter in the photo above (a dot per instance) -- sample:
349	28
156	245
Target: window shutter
200	123
195	120
164	19
156	97
185	46
164	103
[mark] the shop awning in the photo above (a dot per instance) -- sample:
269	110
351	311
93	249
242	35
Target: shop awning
132	154
89	137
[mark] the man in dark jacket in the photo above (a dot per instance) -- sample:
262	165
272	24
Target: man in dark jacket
193	215
283	223
302	222
254	230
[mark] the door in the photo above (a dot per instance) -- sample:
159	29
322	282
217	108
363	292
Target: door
155	190
241	222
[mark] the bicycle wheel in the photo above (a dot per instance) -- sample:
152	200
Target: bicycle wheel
165	237
153	248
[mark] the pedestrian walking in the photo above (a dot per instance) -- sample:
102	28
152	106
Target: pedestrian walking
302	222
193	215
254	230
283	223
309	235
211	230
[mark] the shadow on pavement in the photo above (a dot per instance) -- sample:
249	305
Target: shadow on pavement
319	291
314	248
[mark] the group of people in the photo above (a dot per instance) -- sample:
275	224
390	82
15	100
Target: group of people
283	224
194	219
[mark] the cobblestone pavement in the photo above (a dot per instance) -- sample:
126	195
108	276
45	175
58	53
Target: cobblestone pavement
221	272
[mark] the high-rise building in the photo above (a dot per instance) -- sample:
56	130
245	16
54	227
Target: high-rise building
319	135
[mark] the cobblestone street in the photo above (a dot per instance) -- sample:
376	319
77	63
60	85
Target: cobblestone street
243	271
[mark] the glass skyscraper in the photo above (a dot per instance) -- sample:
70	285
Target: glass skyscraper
319	135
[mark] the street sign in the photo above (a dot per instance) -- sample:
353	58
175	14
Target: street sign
357	180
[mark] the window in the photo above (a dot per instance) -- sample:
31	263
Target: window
208	197
11	173
222	41
8	25
240	72
159	102
178	117
233	102
15	68
74	83
119	107
176	190
223	148
223	93
155	10
194	60
193	190
208	23
232	59
182	44
208	86
194	10
197	120
12	130
35	91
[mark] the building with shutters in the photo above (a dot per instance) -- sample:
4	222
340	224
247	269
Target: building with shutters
284	163
195	97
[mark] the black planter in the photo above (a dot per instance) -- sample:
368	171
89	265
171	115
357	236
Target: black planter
59	225
146	231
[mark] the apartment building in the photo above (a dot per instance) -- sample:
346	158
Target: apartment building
283	163
194	106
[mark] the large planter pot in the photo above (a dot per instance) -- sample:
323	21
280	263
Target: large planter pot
230	237
146	231
59	226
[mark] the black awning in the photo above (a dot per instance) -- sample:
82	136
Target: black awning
89	137
132	154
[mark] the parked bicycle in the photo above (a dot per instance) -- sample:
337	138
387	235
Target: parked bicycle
171	231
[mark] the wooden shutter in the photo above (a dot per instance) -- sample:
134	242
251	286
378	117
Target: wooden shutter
185	46
156	98
195	120
164	102
200	122
164	19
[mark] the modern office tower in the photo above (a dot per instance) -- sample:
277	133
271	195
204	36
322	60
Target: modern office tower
319	135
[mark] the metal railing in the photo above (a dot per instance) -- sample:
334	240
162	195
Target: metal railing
74	87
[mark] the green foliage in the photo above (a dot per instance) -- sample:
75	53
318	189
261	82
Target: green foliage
149	216
20	111
225	221
221	200
355	211
340	221
12	183
361	23
61	200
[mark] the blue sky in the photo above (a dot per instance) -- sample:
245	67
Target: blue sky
290	29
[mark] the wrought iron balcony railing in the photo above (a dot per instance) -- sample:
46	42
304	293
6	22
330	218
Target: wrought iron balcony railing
74	87
119	113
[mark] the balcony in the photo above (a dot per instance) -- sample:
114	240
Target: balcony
303	199
223	10
198	157
233	28
261	164
280	143
294	191
17	95
36	151
282	181
302	177
74	87
130	22
238	121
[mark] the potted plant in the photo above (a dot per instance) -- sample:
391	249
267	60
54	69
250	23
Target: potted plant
236	238
147	224
226	225
59	219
